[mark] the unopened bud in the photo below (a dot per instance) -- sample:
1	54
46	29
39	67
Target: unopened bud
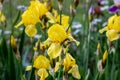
76	2
72	11
104	59
13	44
60	1
100	67
60	5
98	46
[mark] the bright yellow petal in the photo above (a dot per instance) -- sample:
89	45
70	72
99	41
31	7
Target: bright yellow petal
116	25
30	30
75	72
72	39
56	33
41	62
111	21
112	35
30	18
28	68
42	73
54	50
103	29
65	21
38	8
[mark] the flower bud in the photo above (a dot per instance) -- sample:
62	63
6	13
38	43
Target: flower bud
76	2
72	11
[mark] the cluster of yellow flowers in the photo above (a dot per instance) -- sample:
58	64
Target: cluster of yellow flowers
113	28
32	16
57	43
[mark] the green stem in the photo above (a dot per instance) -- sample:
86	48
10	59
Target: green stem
70	24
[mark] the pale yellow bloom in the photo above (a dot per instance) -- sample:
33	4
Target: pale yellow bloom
113	28
41	62
42	73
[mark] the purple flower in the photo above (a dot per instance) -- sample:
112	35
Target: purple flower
91	10
114	9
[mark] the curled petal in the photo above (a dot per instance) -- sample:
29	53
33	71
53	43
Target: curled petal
103	29
112	35
42	73
72	39
75	72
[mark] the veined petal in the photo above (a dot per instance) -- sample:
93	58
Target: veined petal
75	72
54	50
30	30
42	73
57	33
112	35
103	29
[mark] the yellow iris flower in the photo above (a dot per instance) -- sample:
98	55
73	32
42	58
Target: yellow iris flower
57	35
112	28
32	16
42	64
70	66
